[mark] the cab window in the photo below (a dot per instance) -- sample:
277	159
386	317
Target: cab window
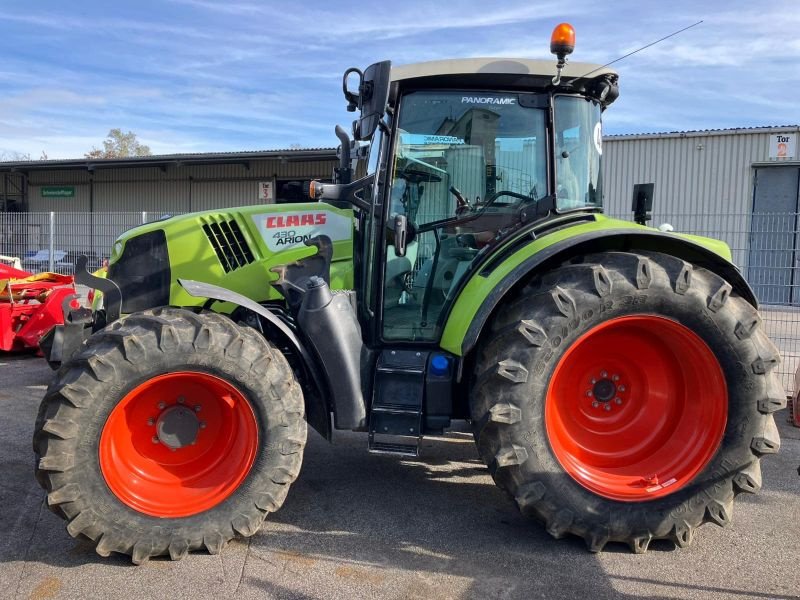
464	164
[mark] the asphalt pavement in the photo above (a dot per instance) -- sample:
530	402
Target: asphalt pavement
357	525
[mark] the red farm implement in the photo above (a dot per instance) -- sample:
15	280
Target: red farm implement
31	305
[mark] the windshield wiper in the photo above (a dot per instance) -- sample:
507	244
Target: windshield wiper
547	202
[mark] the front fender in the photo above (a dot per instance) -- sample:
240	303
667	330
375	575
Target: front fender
486	288
317	409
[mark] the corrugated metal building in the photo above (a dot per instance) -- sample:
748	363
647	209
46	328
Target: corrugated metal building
51	212
740	185
694	171
163	184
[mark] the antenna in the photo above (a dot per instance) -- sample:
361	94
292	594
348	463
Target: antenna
666	37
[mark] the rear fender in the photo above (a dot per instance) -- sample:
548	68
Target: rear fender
484	292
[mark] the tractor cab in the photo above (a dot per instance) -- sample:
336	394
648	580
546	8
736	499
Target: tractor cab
464	156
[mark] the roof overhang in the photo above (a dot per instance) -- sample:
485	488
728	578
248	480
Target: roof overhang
167	160
497	66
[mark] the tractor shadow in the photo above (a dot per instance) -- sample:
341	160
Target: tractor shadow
440	520
450	532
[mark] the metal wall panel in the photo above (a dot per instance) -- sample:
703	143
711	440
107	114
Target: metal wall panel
703	180
467	168
59	177
708	172
174	189
78	203
209	195
150	196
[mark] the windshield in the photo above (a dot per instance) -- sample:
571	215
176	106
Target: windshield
578	149
471	160
476	142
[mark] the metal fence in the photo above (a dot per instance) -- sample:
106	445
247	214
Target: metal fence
54	241
765	246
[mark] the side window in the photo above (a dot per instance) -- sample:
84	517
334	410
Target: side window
374	151
370	220
578	152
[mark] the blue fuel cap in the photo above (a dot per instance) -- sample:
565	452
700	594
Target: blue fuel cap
439	365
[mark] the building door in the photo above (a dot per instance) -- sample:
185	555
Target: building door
774	261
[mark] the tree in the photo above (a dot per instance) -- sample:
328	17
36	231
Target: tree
119	145
14	156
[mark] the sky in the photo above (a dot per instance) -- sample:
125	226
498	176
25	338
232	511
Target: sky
208	75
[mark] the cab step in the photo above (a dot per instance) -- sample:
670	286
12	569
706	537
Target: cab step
397	403
395	449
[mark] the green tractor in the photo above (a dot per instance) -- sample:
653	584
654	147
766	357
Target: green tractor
617	378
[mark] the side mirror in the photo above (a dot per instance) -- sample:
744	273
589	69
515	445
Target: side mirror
372	98
400	234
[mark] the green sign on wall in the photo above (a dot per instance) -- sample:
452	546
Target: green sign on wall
60	191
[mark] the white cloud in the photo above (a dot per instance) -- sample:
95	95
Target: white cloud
202	75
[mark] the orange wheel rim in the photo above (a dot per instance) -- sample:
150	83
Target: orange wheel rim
636	408
178	444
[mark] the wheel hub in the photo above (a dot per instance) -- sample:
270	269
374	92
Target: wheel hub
604	390
177	427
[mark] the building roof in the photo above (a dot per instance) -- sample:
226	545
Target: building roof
511	66
163	160
704	132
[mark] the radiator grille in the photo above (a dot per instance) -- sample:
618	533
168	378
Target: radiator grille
229	244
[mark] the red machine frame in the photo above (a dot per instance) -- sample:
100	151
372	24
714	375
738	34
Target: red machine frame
31	305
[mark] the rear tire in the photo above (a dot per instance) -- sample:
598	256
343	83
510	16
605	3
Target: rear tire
565	470
232	464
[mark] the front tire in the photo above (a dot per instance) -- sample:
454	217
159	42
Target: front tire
170	431
626	397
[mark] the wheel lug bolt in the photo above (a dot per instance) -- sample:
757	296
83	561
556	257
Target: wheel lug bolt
621	388
151	421
607	407
603	374
615	378
181	399
617	400
595	404
197	408
589	393
202	424
162	405
155	439
594	380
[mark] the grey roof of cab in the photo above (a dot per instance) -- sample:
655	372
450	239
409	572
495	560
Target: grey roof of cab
513	66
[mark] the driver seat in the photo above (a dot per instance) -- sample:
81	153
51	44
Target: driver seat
568	188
